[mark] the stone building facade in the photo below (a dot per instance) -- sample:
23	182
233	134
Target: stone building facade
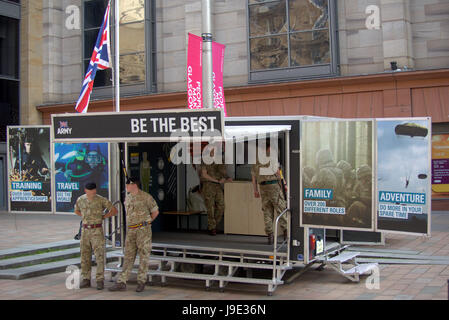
413	33
336	62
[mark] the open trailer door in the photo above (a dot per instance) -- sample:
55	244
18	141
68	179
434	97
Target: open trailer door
404	175
366	176
330	150
336	175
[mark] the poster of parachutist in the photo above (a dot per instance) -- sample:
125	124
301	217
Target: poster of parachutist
29	168
403	175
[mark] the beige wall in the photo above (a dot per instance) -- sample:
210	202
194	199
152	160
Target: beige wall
430	29
176	18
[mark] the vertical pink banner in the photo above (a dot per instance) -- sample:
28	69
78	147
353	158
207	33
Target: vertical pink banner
217	69
194	72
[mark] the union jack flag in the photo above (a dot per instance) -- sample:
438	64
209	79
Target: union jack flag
98	61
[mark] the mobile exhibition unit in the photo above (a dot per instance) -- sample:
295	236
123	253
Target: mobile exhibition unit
359	175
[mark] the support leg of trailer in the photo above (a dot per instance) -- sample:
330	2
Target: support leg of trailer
321	267
221	285
298	273
270	290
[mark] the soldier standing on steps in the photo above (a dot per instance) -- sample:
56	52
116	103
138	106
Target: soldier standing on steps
90	207
141	210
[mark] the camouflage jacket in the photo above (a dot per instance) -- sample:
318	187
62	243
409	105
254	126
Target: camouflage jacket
92	211
139	207
263	172
216	171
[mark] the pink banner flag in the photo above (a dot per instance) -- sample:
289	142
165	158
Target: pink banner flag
217	69
194	72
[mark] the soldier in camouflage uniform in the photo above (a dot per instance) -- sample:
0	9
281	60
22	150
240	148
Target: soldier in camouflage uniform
360	209
141	210
348	182
212	177
267	186
90	207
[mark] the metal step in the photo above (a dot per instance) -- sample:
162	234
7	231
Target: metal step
268	266
361	269
343	257
215	250
219	262
208	277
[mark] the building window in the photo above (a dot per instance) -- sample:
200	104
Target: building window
9	74
93	17
136	23
291	39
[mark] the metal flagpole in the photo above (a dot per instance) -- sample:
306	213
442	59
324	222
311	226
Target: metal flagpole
208	97
117	57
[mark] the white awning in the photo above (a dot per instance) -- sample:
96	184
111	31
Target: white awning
242	133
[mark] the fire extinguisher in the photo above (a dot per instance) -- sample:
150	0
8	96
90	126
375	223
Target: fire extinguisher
312	246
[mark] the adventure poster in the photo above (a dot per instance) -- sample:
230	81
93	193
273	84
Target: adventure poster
403	175
29	169
337	174
75	165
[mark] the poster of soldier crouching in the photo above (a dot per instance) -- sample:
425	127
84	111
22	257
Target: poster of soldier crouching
336	174
29	168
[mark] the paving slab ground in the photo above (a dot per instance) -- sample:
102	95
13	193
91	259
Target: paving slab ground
397	282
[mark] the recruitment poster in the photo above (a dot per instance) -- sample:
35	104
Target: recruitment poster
29	169
440	166
337	174
75	165
403	175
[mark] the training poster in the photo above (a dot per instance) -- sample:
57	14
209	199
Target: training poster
337	174
403	175
29	169
75	165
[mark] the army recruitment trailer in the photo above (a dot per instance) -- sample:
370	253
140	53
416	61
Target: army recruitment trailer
356	177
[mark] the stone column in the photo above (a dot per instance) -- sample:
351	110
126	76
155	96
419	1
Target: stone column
31	62
397	33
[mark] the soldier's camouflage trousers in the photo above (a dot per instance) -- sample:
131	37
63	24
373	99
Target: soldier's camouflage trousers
92	239
214	201
273	203
137	241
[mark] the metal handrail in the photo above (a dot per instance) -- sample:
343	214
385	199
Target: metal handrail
275	241
113	227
